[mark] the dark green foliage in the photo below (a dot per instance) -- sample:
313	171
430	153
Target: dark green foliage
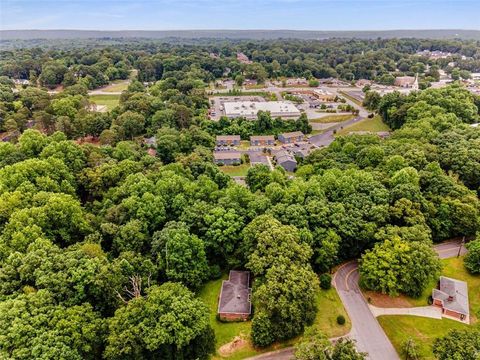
340	320
472	259
325	281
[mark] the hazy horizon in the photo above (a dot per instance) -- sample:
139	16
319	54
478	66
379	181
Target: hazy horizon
302	15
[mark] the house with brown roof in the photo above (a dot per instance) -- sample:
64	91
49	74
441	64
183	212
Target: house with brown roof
232	140
234	302
291	137
452	296
262	140
227	157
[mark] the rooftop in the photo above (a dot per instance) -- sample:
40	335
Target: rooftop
262	137
283	156
228	137
292	134
235	294
251	108
226	155
454	294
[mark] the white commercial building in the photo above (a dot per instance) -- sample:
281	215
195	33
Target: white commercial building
249	109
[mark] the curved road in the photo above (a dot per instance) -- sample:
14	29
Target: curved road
366	330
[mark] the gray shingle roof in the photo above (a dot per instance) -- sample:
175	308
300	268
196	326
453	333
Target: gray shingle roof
454	294
235	294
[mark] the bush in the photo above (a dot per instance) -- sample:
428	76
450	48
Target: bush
341	320
472	259
325	281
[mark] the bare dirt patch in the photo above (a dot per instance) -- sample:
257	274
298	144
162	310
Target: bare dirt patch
229	348
386	301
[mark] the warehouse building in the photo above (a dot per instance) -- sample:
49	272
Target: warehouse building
250	109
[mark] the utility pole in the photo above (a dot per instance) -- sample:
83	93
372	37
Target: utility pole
460	247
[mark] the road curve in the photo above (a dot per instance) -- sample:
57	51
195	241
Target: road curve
366	330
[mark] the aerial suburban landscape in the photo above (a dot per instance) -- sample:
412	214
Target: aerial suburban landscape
239	194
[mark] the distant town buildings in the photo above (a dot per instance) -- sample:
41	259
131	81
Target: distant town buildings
406	81
250	109
234	302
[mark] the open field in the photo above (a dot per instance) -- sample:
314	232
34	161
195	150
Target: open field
374	124
333	119
400	328
117	86
240	170
110	101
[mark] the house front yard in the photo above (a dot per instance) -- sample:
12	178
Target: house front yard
400	328
232	170
329	307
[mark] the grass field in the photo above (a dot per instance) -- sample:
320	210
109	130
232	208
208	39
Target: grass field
116	86
109	100
333	119
329	307
422	330
240	170
374	124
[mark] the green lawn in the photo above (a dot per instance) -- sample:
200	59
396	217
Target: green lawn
240	170
423	331
329	307
374	124
454	268
333	119
116	86
109	100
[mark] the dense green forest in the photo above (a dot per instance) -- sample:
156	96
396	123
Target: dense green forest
104	246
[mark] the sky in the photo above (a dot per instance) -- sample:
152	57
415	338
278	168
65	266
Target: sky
246	14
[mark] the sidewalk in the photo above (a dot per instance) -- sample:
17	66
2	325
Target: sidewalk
424	311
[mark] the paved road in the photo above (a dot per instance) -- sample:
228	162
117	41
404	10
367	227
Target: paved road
366	330
327	137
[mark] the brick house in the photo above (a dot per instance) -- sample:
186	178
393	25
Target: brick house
452	297
291	137
262	140
233	140
234	303
227	157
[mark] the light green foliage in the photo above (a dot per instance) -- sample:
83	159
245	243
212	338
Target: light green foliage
150	327
472	259
33	326
397	266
